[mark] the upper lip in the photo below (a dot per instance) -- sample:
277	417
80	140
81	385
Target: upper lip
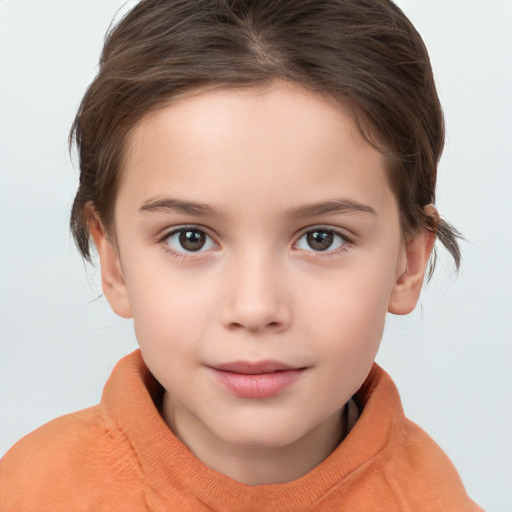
253	368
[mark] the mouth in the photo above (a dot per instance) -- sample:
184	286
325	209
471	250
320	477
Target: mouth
262	379
254	368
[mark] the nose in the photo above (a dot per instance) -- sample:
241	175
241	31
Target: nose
256	298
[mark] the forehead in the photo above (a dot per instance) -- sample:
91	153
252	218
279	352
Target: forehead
234	145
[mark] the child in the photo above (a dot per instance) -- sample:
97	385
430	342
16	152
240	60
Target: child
258	179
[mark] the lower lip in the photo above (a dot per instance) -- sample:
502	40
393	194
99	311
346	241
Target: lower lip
260	385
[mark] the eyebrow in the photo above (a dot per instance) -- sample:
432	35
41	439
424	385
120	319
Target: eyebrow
334	206
178	205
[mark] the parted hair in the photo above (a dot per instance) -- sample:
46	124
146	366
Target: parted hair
364	54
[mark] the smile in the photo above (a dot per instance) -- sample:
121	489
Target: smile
256	380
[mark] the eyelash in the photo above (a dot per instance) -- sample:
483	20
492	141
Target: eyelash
328	252
178	229
312	253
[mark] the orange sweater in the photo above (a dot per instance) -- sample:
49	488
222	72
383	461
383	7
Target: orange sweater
121	456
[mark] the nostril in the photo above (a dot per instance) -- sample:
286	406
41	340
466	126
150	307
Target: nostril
255	317
256	327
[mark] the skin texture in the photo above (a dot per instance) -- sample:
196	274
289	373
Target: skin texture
257	290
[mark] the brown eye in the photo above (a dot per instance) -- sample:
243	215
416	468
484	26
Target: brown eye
321	240
189	240
192	240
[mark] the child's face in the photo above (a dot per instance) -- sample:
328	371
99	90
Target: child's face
290	251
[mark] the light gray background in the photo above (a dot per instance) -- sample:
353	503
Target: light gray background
451	359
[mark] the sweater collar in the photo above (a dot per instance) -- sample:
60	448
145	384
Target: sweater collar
130	402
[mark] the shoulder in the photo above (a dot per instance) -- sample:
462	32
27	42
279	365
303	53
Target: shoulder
418	465
55	444
64	462
408	462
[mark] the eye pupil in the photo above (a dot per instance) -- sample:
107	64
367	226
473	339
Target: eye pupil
320	240
192	240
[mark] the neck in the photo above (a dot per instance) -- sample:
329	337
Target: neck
254	465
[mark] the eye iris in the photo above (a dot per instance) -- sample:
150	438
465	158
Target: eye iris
192	240
320	240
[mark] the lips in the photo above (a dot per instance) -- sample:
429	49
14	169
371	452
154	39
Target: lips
253	368
262	379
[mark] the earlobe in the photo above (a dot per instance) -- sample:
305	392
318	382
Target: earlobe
407	288
112	277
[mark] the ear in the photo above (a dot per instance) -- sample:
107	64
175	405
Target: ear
112	278
407	288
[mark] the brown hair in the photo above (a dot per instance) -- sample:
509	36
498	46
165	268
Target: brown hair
364	53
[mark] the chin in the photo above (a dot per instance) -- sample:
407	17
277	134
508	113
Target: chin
260	435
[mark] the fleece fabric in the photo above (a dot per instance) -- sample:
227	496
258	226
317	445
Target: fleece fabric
121	456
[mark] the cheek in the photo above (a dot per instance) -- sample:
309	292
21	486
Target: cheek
170	323
347	330
171	307
355	291
348	308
